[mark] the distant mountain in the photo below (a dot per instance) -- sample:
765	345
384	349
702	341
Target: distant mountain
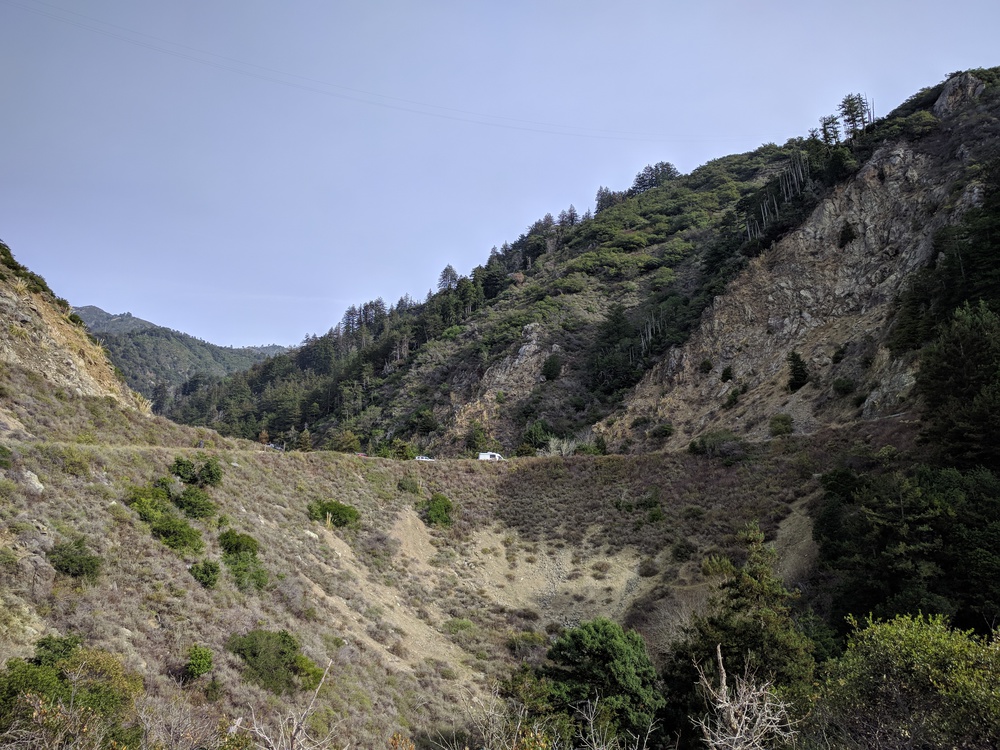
154	360
99	321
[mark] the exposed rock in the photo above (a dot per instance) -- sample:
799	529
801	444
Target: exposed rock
29	480
958	91
808	294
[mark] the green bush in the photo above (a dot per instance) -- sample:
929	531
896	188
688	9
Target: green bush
438	512
662	431
239	553
6	457
75	560
274	661
235	543
339	514
206	573
552	367
843	386
406	484
210	473
184	470
727	374
798	374
781	424
247	571
199	662
177	534
195	503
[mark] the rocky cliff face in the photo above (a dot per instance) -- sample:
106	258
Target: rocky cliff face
825	291
37	337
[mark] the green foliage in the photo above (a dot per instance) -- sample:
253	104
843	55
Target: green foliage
199	662
752	620
334	512
239	553
959	379
210	473
599	659
843	386
798	373
75	559
274	661
195	503
408	484
910	542
235	543
206	573
538	434
184	470
6	457
781	424
661	431
552	367
912	682
344	441
705	367
727	374
438	510
177	534
77	687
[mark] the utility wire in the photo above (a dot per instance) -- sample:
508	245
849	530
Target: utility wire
312	85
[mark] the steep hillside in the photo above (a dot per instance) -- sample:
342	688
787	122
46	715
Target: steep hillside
669	312
154	360
826	291
415	617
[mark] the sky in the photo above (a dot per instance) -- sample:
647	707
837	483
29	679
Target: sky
245	170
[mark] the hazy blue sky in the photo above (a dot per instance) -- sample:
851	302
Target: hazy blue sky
243	170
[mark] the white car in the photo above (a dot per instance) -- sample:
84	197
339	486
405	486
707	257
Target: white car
423	458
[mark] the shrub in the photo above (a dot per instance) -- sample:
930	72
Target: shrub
177	533
781	424
6	457
199	662
552	367
798	374
210	473
406	484
338	514
843	386
206	573
235	543
727	374
274	661
195	503
705	367
184	470
246	570
662	431
438	511
239	553
74	559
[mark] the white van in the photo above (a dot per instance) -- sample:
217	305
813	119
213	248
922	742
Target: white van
490	456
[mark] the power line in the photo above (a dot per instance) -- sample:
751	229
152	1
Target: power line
312	85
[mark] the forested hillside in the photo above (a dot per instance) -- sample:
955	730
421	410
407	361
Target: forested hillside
155	360
812	565
548	337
